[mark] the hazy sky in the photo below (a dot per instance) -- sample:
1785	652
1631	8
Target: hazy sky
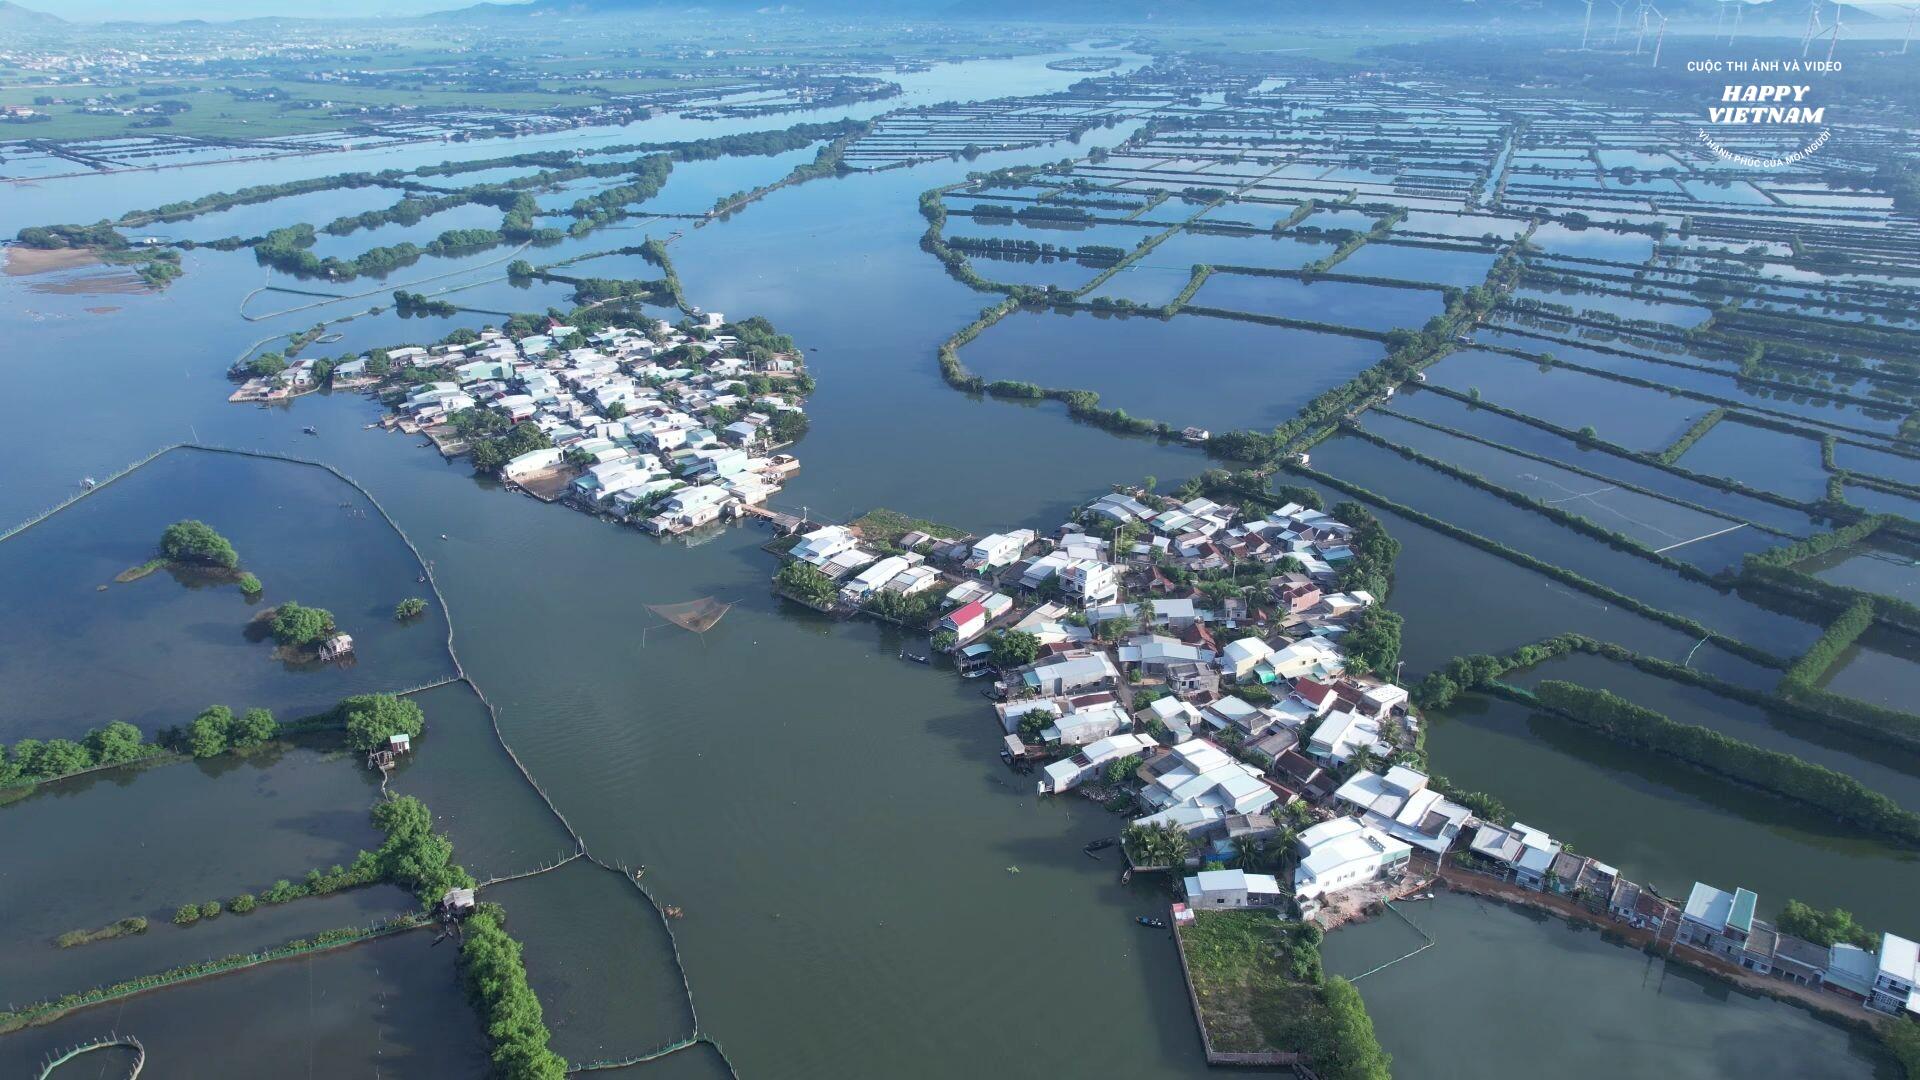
101	10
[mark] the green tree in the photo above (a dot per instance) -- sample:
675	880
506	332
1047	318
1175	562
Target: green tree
253	727
209	733
1350	1050
196	542
115	744
410	608
242	904
806	584
1828	928
58	757
1013	648
372	719
296	625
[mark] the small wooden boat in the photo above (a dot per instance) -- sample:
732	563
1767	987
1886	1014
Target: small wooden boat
916	658
1149	921
1101	844
311	430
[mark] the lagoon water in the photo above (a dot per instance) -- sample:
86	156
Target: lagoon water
832	821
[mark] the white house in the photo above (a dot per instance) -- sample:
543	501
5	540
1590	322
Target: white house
832	549
1090	582
873	578
1310	657
1344	733
1898	976
1070	772
1198	773
1239	658
1401	805
999	549
1526	850
1233	889
1343	853
1079	727
966	621
1071	674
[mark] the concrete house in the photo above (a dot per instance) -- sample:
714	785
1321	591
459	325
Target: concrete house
1071	674
1401	805
965	622
1343	853
1233	889
1525	850
1897	976
1717	920
1071	772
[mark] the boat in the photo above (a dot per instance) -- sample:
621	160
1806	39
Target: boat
311	430
1147	920
88	482
905	655
1101	844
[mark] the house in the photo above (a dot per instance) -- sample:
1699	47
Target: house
1079	727
1401	805
1070	772
1240	657
1716	920
833	550
1071	673
998	549
1897	976
1343	853
874	578
1527	851
1343	734
1852	970
1090	582
1155	653
1192	678
1233	889
1199	773
1173	714
1304	775
1311	657
337	647
966	621
1799	961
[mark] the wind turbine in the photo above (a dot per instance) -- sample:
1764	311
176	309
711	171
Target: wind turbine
1619	17
1659	38
1912	14
1834	42
1813	27
1739	9
1588	26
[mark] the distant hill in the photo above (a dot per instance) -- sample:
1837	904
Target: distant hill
15	17
1148	12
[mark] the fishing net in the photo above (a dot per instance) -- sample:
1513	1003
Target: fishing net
695	615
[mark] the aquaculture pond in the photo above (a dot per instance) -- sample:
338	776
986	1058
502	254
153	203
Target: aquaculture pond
1883	667
1188	370
79	649
1708	540
1411	262
175	834
1630	415
1595	1006
1662	823
394	1006
1425	488
1761	458
1341	303
1885	768
1889	566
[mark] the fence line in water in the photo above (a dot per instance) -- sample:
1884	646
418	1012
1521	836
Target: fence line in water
460	675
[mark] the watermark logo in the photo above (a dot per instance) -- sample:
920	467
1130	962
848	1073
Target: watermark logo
1767	108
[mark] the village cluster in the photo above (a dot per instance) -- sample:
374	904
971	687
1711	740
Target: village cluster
671	428
1235	729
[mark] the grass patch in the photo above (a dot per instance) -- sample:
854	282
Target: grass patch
888	526
135	573
1247	972
135	925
